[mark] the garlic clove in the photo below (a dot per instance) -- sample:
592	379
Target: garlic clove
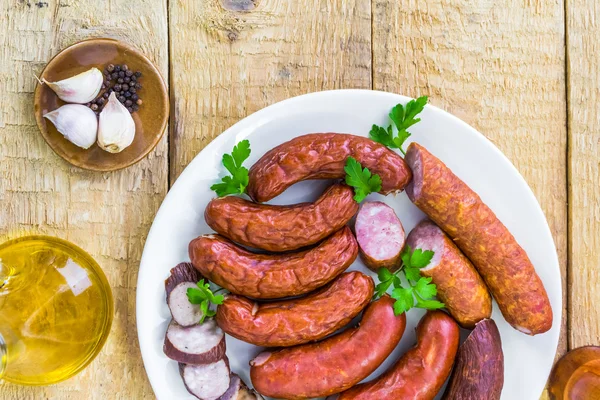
116	128
77	123
80	89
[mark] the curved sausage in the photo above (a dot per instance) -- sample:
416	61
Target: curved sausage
291	322
323	156
334	364
268	276
459	285
282	228
501	261
421	372
380	236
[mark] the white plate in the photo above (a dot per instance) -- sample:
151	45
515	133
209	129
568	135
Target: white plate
468	153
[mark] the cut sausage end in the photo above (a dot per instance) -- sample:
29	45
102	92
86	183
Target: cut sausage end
239	391
260	359
182	272
207	381
428	236
183	312
198	344
380	235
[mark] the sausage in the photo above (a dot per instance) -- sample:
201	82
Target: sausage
421	372
323	156
479	370
239	391
380	236
291	322
459	285
198	344
501	261
282	228
334	364
207	381
268	276
182	277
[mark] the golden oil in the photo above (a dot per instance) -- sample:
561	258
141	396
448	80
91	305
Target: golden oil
56	309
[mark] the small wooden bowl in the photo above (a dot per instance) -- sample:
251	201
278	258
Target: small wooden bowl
150	120
576	376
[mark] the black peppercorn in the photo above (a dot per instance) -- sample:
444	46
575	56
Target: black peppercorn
114	75
125	87
134	96
94	107
103	86
128	73
117	87
110	68
122	99
128	103
132	89
139	102
100	101
138	86
120	80
127	94
117	67
135	107
138	74
121	74
107	82
124	67
126	80
105	95
130	109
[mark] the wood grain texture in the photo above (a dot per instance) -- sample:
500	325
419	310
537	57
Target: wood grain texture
583	32
107	214
499	66
226	64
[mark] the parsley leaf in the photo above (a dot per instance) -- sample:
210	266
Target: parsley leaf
430	304
237	182
404	300
386	278
205	297
425	289
403	118
412	273
361	179
420	258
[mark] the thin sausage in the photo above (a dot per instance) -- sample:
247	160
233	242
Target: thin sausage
334	364
476	230
459	285
292	322
421	372
323	156
282	228
272	276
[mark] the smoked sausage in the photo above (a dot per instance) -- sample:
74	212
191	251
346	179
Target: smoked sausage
421	372
323	156
291	322
334	364
271	276
282	228
501	261
459	286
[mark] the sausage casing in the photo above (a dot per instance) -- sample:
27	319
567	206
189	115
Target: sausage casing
334	364
323	156
459	286
272	276
421	372
473	226
282	228
297	321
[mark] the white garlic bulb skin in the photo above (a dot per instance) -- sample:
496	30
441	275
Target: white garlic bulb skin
116	128
80	89
77	123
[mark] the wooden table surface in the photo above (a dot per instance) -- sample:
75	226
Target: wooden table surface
525	73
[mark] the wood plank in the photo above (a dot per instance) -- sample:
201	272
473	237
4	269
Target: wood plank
108	214
227	64
499	66
583	84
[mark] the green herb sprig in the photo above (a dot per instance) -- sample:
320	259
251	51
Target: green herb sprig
420	290
205	297
403	117
361	179
238	181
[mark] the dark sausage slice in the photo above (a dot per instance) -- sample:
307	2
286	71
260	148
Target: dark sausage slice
323	156
182	277
182	272
199	344
459	285
272	276
334	364
282	228
380	236
421	372
239	391
206	381
292	322
476	230
479	370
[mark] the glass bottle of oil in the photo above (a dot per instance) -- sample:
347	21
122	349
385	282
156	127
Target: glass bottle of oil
56	309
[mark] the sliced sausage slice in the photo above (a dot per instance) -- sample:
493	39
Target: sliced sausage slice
206	381
281	228
484	239
421	372
380	235
198	344
323	156
334	364
272	276
239	391
291	322
182	277
459	285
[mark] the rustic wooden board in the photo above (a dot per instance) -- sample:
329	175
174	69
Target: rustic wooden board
499	66
584	172
108	214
